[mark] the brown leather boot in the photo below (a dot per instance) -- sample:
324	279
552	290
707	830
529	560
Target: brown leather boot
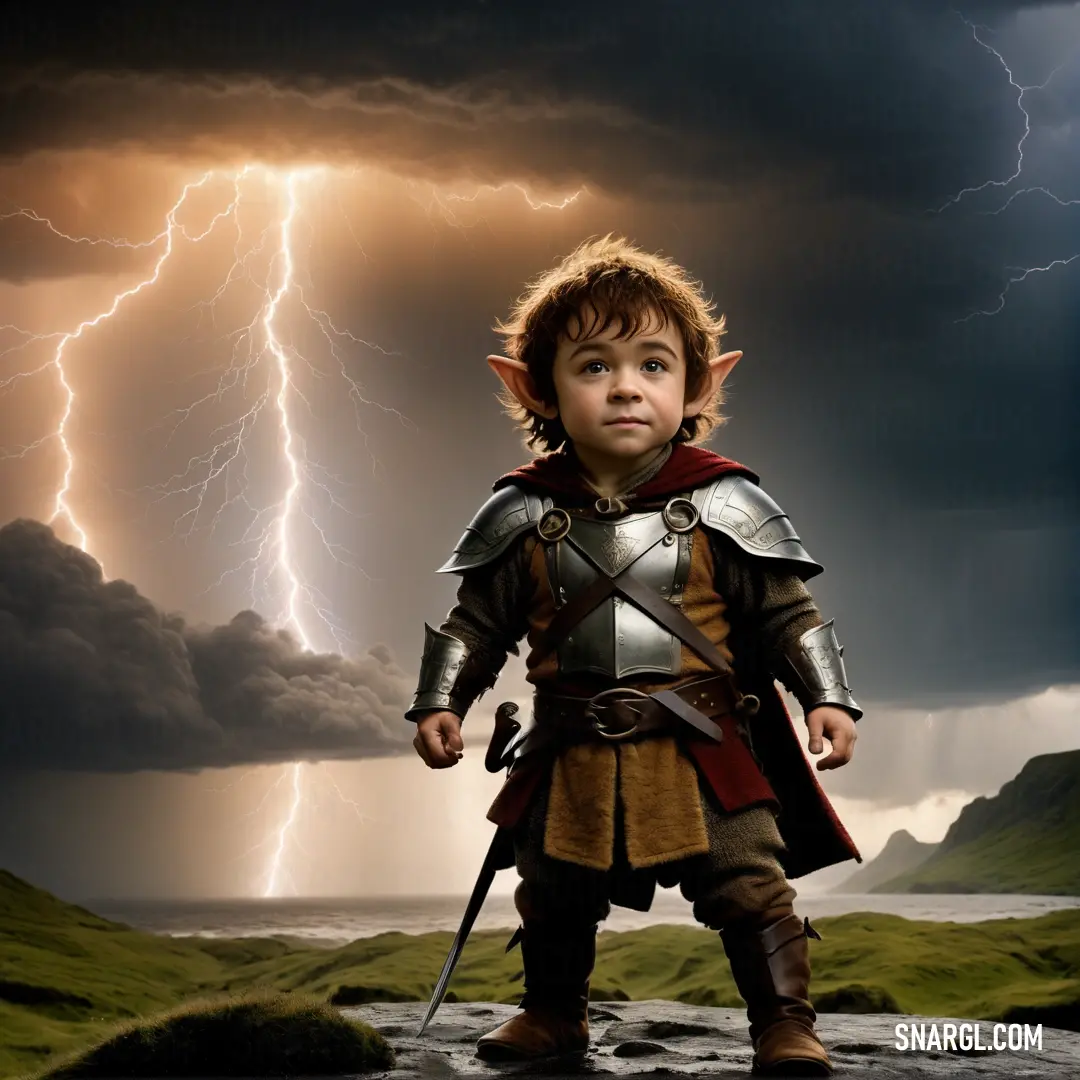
558	962
770	963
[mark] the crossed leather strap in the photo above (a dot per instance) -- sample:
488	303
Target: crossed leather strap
667	614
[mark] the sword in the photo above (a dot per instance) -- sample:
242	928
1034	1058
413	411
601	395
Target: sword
506	727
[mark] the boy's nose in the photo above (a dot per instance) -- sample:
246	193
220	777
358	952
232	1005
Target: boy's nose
625	388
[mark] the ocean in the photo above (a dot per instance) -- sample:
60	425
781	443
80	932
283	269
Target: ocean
333	922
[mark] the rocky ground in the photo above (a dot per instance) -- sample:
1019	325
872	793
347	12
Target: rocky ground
664	1038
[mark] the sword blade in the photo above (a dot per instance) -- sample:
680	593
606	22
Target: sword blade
472	909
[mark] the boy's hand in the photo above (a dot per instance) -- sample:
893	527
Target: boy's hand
838	727
438	739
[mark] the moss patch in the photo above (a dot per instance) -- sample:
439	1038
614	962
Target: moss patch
263	1033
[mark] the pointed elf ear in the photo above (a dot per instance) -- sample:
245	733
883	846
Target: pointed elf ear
719	370
515	374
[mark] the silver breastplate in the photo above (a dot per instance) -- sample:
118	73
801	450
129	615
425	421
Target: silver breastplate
616	638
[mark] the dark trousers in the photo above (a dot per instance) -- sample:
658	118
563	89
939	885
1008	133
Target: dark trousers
736	881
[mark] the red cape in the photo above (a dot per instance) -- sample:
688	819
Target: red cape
559	473
808	824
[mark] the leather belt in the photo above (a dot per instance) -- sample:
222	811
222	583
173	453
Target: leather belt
624	713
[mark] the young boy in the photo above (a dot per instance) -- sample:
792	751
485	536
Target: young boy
661	592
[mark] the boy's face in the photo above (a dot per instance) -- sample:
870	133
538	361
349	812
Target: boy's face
602	380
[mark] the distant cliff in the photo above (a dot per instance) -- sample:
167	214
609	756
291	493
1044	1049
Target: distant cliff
901	854
1025	839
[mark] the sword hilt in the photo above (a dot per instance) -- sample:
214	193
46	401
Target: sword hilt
506	727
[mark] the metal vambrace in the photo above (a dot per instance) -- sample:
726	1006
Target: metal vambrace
444	657
817	661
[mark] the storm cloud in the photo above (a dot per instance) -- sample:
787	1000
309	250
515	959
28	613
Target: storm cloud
95	678
688	100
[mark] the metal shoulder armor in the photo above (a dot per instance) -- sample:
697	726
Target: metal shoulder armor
738	508
509	512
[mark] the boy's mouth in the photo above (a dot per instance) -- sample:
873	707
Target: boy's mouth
625	421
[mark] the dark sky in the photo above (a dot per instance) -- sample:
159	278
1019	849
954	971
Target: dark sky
909	390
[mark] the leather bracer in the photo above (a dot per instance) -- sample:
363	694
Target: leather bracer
442	662
816	661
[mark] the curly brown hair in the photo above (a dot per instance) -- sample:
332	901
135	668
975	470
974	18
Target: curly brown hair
620	282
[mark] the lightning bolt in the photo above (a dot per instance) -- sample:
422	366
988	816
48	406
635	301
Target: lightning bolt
285	518
272	528
61	508
1021	273
286	827
443	200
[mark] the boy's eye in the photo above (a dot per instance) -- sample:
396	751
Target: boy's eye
592	365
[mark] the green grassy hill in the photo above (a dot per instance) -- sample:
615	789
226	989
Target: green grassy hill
1022	840
68	978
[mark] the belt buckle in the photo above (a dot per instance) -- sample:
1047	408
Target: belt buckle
620	693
